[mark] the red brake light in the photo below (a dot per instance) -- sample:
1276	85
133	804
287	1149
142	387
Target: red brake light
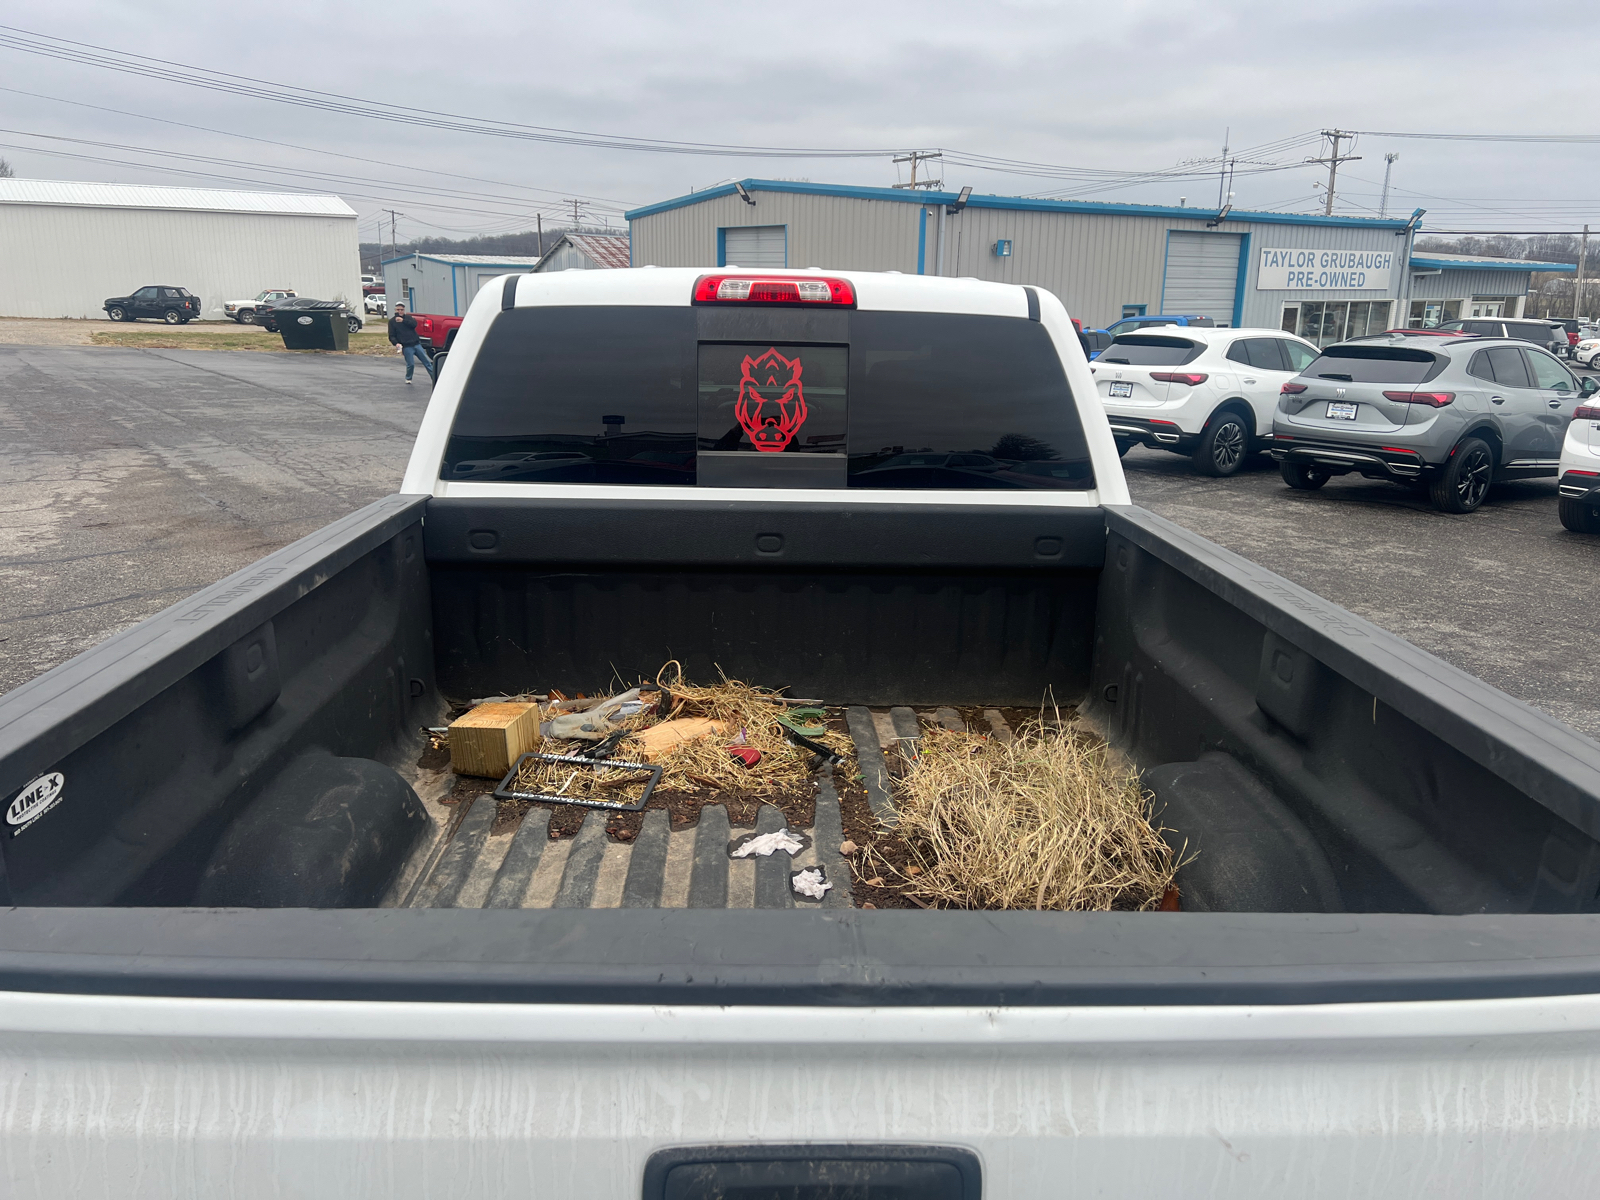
1586	412
1185	377
1594	473
1399	450
1291	389
1431	399
773	289
1174	424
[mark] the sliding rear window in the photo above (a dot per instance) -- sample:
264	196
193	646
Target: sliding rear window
1374	364
1151	350
631	395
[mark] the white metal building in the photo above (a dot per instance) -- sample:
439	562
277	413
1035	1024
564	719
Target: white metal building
1446	287
586	252
66	246
444	284
1326	278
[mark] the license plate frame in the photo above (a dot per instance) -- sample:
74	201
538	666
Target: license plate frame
1342	410
1121	390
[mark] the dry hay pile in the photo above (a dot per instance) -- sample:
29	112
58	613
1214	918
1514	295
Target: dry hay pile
749	716
1046	822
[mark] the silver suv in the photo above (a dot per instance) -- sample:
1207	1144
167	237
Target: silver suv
1451	414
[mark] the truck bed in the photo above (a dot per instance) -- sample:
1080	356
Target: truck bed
1441	828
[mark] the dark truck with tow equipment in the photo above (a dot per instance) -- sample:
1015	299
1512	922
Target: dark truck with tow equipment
249	948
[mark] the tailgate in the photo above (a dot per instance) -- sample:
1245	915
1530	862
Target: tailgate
166	1096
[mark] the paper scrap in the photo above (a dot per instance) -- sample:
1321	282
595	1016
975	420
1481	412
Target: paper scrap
811	883
769	843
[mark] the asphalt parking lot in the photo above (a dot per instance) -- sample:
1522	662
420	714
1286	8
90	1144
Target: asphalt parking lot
131	478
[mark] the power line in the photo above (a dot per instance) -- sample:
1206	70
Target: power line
620	205
1335	136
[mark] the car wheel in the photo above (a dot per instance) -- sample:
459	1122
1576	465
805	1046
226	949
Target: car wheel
248	318
1123	446
117	314
1579	517
172	317
1223	445
354	323
1464	482
1303	478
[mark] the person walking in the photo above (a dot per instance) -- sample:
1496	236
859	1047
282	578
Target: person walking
403	336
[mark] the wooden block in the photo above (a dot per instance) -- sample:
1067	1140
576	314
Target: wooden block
650	744
487	740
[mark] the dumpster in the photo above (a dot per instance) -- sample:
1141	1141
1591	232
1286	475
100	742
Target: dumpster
320	325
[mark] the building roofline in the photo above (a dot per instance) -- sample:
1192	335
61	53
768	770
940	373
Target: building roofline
1012	204
1434	262
447	260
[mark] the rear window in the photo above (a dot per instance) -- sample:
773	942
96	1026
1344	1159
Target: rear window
1151	350
1532	331
629	395
1374	364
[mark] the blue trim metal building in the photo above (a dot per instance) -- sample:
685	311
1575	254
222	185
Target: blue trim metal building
1326	277
444	284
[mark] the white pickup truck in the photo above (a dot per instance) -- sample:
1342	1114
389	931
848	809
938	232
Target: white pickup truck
250	950
244	311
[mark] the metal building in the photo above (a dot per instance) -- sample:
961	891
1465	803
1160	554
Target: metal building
444	283
586	252
1324	277
1446	287
66	246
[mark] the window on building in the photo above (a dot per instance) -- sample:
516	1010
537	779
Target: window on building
1133	310
1327	321
1493	306
1425	314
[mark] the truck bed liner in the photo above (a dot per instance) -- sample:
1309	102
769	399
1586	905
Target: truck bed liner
523	867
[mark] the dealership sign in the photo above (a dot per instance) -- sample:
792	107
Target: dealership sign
1324	270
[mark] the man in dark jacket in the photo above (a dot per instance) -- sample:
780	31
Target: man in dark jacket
403	335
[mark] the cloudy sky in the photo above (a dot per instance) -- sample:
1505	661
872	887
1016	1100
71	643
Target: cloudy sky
1100	96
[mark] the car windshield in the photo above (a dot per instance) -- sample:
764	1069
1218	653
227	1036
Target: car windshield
1374	364
1151	350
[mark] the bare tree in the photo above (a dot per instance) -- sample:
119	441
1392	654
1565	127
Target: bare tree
6	170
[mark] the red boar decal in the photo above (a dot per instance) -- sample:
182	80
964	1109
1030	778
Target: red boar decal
772	404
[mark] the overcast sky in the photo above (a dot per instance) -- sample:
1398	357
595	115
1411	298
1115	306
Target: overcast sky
1138	86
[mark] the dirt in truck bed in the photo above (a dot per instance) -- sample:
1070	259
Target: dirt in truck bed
870	838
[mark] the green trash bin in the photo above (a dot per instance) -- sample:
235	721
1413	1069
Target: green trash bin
323	326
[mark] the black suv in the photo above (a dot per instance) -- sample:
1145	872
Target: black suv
174	305
1552	335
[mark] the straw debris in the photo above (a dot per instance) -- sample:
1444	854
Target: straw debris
1048	821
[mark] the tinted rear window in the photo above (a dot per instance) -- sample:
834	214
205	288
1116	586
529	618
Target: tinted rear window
1150	350
1533	332
579	395
622	395
1374	364
987	392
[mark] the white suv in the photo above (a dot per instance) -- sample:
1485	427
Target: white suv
1580	471
1209	393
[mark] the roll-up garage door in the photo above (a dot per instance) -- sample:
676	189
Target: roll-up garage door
756	246
1202	275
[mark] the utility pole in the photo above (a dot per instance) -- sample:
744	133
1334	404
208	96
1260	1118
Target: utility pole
1335	136
1577	290
1222	175
540	218
1388	165
915	157
577	213
394	246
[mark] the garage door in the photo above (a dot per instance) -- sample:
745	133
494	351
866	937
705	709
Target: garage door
756	246
1202	275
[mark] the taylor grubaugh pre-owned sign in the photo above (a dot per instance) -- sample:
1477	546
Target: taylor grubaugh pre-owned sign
1324	270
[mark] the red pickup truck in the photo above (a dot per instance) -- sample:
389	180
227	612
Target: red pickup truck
437	332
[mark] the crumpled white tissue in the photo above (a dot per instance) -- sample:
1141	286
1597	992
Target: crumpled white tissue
769	843
811	883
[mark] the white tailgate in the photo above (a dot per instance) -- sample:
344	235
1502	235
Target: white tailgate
117	1097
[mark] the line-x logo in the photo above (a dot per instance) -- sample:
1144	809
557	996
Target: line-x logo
35	800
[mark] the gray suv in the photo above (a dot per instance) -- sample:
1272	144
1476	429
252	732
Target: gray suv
1451	414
